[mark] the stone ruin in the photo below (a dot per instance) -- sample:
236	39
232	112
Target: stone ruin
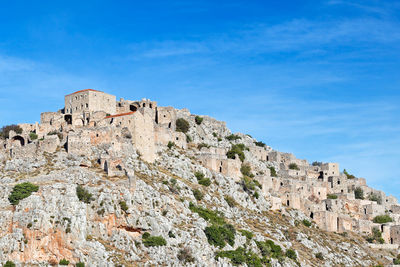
96	125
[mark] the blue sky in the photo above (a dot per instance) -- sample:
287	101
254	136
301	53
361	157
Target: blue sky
316	78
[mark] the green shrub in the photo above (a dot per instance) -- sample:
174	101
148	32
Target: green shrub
185	255
319	256
237	150
293	166
245	169
123	206
197	194
170	144
199	175
33	136
291	254
233	137
80	264
211	216
359	193
171	234
231	202
261	144
248	184
145	235
205	181
306	223
332	196
154	241
188	138
316	163
269	249
349	176
220	235
273	171
9	264
396	261
198	120
215	134
182	125
241	256
375	197
249	235
83	195
63	262
376	236
382	219
21	191
200	146
5	130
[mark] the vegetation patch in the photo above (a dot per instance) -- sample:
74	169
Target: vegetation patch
185	255
182	125
200	146
269	249
21	191
233	137
170	145
197	194
201	179
231	202
198	120
83	194
249	235
213	217
33	136
273	171
237	149
332	196
359	193
245	169
123	206
220	235
293	166
306	223
9	264
376	236
63	262
383	219
5	130
349	176
261	144
375	197
241	256
153	241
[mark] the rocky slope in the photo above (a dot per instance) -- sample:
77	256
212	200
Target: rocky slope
196	221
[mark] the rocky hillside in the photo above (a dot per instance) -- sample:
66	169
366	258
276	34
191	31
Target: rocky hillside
175	212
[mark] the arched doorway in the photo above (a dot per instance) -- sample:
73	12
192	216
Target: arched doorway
19	140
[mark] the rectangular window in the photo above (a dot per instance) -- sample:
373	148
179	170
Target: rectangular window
87	105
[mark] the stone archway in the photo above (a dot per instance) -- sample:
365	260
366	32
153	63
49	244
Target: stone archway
18	140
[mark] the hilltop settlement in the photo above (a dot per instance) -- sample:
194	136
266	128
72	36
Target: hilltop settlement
107	182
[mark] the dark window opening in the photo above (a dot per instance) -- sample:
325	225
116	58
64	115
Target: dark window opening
144	105
169	125
312	215
151	105
220	169
287	202
68	119
132	108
